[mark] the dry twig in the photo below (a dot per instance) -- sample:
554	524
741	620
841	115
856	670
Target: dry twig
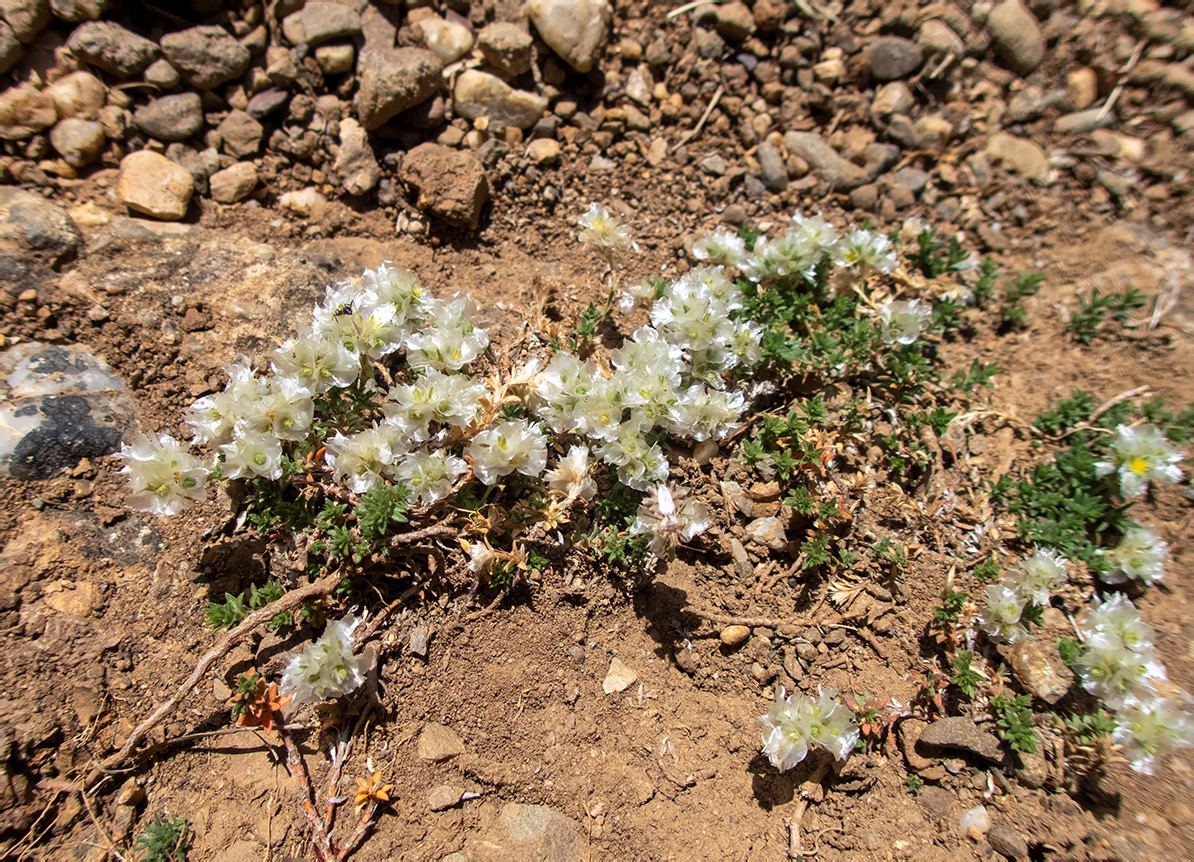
696	130
1103	408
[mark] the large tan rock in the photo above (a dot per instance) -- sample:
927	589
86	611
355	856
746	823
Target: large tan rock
152	184
24	110
479	94
574	29
79	94
234	183
451	184
392	81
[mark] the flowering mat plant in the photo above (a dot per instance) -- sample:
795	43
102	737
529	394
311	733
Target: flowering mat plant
391	441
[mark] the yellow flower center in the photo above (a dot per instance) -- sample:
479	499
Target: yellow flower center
1138	465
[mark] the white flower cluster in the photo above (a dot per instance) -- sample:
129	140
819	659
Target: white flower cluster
670	517
1033	579
1119	665
799	250
720	246
796	723
1140	455
602	230
1139	556
1118	661
163	476
1149	731
650	387
327	668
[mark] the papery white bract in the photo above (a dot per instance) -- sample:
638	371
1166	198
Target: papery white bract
796	723
1001	612
359	460
904	321
1151	730
1140	455
1118	662
1036	577
670	516
1140	555
505	448
571	477
327	668
602	230
163	477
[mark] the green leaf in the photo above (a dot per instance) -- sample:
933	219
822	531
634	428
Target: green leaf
382	507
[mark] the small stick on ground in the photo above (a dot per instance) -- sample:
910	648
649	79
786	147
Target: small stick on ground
491	607
113	847
780	575
696	130
795	846
1103	408
1119	87
696	4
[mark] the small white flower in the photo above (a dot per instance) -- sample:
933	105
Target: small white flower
398	287
796	723
316	360
904	321
864	251
287	407
1139	455
448	340
670	517
1140	555
1000	616
602	230
1118	662
327	668
640	464
815	230
252	455
360	459
1151	730
720	246
450	399
481	558
572	475
506	448
430	475
639	294
163	477
1036	577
